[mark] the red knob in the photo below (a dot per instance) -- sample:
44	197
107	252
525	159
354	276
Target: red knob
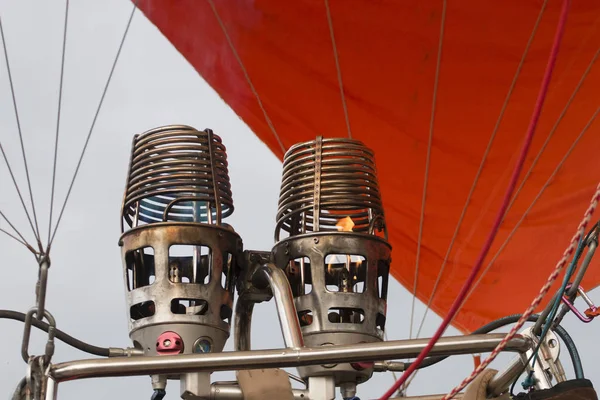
169	343
359	366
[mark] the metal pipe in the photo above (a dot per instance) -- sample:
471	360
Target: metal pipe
284	300
572	291
501	382
51	390
537	328
243	324
222	391
281	358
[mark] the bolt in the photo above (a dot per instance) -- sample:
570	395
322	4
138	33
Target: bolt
552	343
167	343
316	240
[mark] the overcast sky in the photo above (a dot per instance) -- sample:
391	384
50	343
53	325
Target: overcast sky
153	85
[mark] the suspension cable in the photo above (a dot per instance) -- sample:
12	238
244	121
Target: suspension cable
14	101
246	75
427	160
483	161
512	184
60	91
534	202
12	175
22	240
338	68
89	135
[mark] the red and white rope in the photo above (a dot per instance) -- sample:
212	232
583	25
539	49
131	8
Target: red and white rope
551	279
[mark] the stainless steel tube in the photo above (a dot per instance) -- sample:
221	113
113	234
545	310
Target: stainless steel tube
284	300
51	390
280	358
220	391
243	324
501	382
582	270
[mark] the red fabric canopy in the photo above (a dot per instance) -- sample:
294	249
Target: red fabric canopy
387	53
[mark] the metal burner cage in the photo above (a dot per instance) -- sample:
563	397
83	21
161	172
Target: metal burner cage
177	173
336	255
180	259
329	179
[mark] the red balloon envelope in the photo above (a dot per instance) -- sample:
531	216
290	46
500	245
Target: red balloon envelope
274	63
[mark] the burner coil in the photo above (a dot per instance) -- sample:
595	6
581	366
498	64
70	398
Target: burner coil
177	174
325	180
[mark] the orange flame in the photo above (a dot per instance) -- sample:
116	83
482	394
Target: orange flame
345	224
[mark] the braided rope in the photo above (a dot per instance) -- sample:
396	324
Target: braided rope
555	273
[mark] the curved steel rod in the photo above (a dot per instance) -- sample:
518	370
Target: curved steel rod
284	301
243	324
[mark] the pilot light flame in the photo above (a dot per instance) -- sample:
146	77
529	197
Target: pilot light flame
345	225
326	178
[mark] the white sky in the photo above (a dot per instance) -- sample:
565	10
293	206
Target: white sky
153	85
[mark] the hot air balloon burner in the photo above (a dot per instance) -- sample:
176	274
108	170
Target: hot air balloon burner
179	257
336	255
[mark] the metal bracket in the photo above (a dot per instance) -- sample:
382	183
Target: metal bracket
548	361
195	386
548	364
260	281
245	287
321	388
36	379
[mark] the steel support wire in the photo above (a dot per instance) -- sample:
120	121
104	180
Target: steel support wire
91	130
34	225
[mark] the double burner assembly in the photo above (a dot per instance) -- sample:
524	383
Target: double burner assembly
328	270
327	273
